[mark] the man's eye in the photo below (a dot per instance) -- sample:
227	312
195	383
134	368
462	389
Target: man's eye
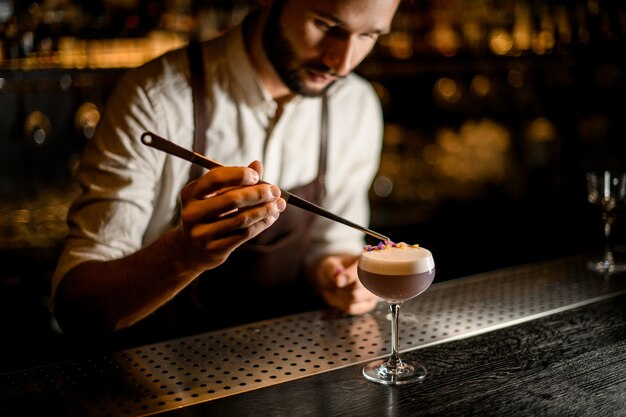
322	25
373	35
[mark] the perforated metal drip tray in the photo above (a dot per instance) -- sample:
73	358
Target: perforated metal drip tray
173	374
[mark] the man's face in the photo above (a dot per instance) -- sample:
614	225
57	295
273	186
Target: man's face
311	43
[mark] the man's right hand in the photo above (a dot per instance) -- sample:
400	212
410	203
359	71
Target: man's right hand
223	209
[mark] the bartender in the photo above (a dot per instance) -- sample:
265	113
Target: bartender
155	245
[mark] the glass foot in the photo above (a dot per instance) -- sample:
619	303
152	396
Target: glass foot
600	266
408	373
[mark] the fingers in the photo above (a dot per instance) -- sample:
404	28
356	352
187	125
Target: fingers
354	299
334	274
228	201
239	225
221	178
340	287
227	206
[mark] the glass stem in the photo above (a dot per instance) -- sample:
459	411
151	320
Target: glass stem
608	249
395	361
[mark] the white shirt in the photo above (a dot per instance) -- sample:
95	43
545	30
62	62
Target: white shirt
130	191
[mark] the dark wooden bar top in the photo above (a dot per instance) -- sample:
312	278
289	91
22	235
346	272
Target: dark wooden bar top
568	364
547	339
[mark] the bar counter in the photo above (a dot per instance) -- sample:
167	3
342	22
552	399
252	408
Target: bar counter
546	338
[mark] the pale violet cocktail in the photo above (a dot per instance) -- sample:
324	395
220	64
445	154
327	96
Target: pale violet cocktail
395	272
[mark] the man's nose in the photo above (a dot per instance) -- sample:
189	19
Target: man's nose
339	55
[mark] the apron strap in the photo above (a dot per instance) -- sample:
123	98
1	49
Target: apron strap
321	171
194	51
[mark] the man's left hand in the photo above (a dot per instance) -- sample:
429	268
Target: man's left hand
336	280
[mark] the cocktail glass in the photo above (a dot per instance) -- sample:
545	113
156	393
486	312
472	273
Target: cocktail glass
608	191
396	273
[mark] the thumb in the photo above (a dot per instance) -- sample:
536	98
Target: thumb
258	167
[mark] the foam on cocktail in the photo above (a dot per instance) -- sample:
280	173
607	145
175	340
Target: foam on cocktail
396	259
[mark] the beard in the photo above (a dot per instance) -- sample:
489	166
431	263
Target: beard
281	55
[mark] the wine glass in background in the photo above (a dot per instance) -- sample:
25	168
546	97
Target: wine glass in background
608	191
396	273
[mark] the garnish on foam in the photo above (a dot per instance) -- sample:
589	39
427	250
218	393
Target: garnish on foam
388	244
